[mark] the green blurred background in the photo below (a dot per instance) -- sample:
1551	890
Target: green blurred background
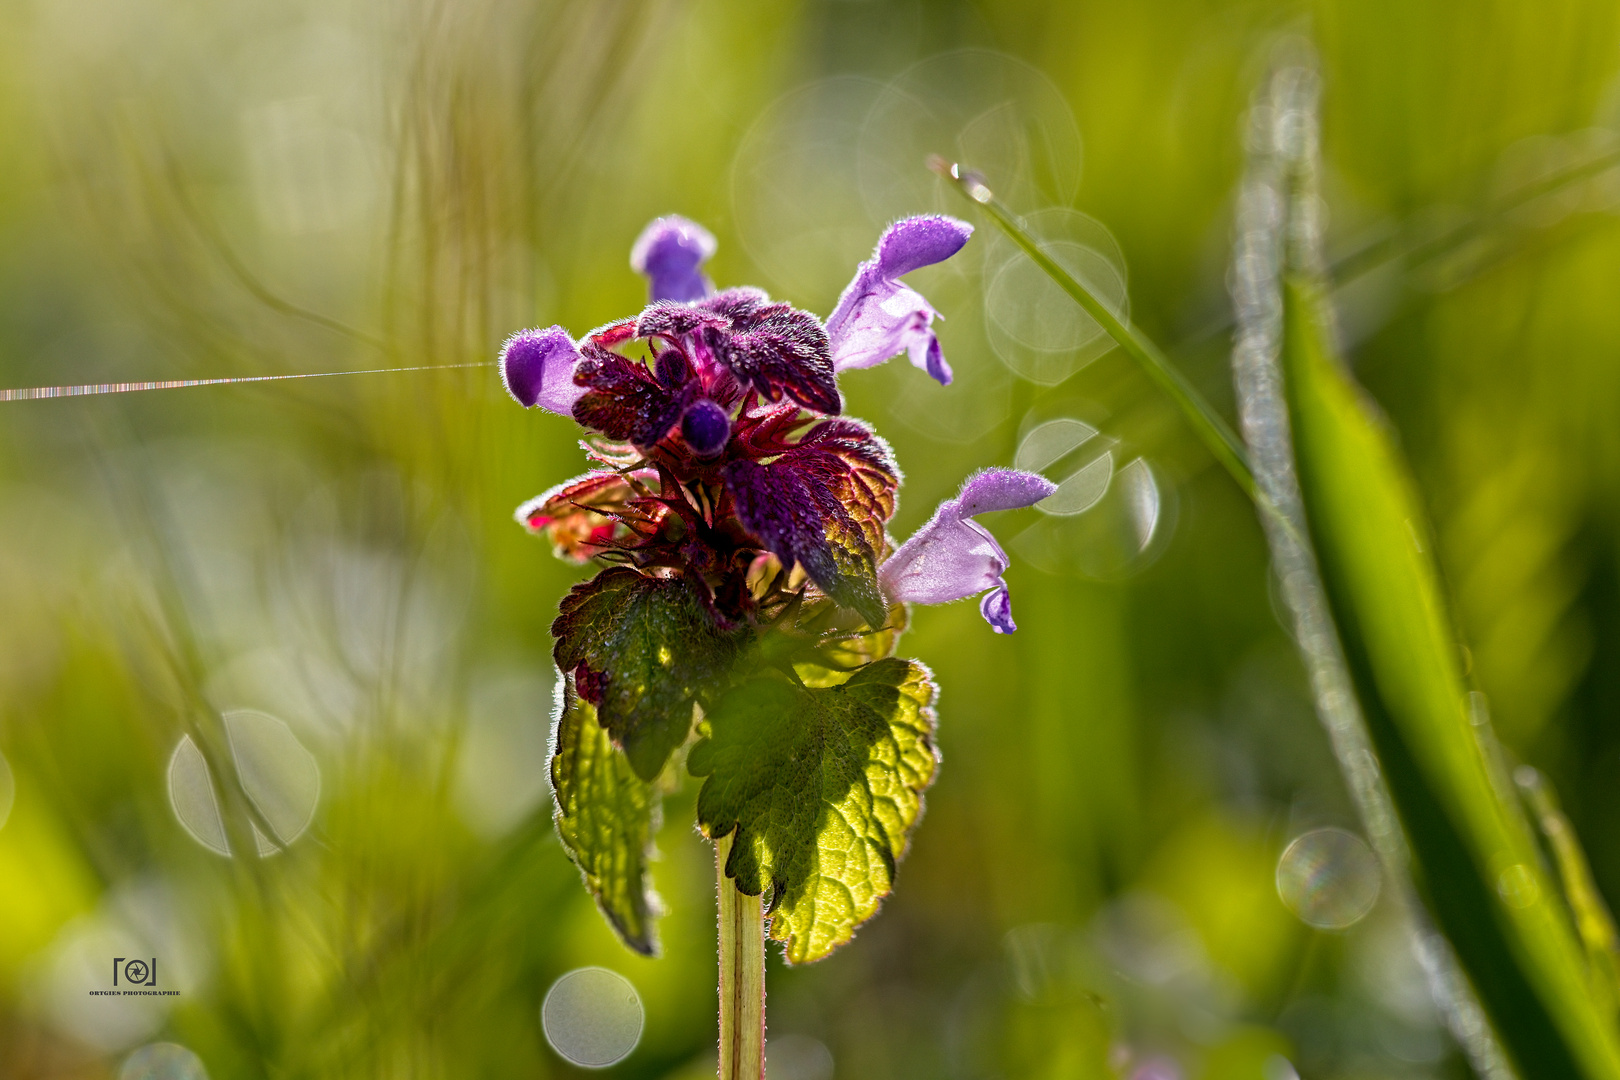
191	191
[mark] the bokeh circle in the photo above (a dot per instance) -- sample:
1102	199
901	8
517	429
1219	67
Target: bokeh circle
593	1017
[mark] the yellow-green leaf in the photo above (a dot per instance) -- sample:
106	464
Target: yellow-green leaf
824	786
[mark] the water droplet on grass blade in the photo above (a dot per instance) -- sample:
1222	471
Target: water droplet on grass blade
1329	878
163	1061
1517	886
279	776
592	1017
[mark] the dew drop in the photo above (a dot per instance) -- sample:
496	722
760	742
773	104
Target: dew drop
1329	878
592	1017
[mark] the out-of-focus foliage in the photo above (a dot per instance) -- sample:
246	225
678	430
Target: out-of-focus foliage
194	191
1473	853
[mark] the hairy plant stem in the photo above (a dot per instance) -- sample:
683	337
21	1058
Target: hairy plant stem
742	976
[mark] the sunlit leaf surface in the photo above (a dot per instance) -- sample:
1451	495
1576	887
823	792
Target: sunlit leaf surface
824	785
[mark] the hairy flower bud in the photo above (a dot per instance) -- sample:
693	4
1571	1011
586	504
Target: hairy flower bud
705	427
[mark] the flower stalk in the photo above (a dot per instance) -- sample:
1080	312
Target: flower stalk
742	976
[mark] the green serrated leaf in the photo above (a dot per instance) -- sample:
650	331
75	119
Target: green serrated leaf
642	649
823	785
1475	859
606	816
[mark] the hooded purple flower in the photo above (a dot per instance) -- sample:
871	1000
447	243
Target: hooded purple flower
877	317
537	368
954	557
669	252
741	521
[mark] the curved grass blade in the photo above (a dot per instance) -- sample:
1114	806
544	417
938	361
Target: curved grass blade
1474	858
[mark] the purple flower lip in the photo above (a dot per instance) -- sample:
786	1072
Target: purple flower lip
705	427
877	317
537	368
953	557
669	252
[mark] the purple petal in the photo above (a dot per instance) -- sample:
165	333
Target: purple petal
996	607
950	558
1002	489
887	320
932	361
537	368
916	242
953	557
669	252
877	317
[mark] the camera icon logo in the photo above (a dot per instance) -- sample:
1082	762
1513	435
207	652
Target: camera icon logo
135	972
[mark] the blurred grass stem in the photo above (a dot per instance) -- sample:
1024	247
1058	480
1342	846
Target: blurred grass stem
742	975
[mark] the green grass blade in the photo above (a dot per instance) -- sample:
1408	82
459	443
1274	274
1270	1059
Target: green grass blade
1593	923
1474	857
1211	427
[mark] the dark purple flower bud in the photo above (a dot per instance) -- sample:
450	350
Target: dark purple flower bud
537	368
954	557
877	317
671	369
705	427
669	252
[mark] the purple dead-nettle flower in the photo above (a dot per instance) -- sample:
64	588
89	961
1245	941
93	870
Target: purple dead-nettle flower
877	317
750	572
954	557
669	252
